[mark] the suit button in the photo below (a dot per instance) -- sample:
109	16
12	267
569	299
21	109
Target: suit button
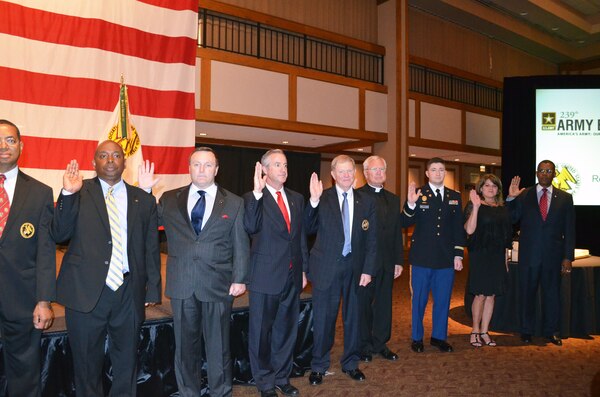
110	242
106	262
438	225
439	217
438	234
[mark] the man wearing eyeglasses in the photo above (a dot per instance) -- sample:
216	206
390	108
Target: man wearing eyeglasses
546	247
375	300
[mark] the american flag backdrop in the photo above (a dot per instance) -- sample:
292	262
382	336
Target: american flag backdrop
61	64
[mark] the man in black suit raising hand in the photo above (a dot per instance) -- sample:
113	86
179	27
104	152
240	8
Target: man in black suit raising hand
273	218
546	247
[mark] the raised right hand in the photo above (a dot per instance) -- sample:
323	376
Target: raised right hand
413	193
475	199
316	188
72	181
259	180
513	189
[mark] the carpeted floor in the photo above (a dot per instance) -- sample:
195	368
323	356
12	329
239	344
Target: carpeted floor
510	369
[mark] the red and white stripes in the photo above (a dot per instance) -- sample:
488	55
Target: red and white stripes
60	70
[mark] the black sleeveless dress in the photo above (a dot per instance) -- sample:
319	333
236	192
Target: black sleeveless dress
487	269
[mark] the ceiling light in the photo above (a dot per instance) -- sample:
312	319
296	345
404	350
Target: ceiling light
482	168
360	149
493	163
203	134
581	41
555	28
413	155
523	13
456	159
285	142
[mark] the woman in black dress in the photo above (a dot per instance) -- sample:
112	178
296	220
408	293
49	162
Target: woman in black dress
489	231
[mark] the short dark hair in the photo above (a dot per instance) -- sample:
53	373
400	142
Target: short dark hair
204	149
6	122
547	162
435	160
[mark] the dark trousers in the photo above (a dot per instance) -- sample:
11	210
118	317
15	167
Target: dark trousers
114	315
196	322
326	304
375	302
530	278
439	282
21	345
273	327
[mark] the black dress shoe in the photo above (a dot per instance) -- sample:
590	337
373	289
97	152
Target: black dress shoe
417	346
268	393
526	338
366	357
316	378
355	374
288	390
388	354
441	344
555	340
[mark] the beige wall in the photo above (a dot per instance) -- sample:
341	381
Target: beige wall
441	41
352	18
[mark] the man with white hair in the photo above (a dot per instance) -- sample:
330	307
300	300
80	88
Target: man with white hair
375	299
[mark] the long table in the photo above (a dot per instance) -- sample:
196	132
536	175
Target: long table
579	297
156	374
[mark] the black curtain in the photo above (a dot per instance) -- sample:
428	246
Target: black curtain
236	168
518	143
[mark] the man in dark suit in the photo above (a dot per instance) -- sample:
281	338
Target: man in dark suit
206	268
111	268
27	266
376	298
341	261
273	218
436	251
546	247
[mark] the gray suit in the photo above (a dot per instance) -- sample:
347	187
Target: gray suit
200	271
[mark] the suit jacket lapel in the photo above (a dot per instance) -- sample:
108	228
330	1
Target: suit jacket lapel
182	200
294	217
357	215
336	211
95	191
216	211
19	198
132	208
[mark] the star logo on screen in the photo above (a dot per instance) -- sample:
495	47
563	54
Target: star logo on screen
548	121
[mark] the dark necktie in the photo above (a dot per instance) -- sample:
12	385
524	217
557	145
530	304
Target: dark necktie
4	204
438	196
198	212
284	211
544	204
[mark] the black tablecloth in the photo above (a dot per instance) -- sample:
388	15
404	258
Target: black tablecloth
579	295
156	375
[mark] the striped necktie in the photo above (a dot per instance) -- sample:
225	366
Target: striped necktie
4	204
114	279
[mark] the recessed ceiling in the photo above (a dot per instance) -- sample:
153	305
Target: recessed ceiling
556	30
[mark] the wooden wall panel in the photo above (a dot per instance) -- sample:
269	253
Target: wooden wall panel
353	18
447	43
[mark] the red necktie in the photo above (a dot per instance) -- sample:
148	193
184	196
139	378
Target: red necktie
284	211
544	204
4	204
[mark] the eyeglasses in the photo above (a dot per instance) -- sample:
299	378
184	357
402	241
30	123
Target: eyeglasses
375	169
546	171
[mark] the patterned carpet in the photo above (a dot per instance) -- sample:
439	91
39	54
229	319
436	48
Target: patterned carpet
510	369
